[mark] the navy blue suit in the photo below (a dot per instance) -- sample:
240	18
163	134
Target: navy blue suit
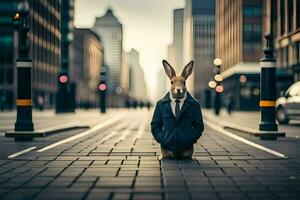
177	135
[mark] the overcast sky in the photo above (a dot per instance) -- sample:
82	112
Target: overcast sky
147	27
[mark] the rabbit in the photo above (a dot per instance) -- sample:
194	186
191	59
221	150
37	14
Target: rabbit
177	118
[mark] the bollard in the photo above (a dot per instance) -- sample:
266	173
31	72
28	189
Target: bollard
268	88
24	68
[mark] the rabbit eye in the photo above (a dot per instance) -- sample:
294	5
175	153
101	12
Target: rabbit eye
172	82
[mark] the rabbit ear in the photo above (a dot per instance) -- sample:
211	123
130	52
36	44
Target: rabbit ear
187	71
169	69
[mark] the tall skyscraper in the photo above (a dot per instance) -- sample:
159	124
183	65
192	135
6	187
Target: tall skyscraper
199	30
137	84
111	32
239	38
44	38
178	38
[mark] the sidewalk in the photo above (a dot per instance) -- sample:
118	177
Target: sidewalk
48	119
248	120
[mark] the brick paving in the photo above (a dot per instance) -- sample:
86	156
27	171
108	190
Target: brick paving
122	162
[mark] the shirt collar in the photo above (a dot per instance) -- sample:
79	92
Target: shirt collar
181	100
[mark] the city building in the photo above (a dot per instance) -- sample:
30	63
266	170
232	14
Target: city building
85	72
175	50
162	84
137	85
44	38
111	32
282	20
239	38
199	30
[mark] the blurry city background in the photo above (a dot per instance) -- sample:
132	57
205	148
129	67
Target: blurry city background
131	37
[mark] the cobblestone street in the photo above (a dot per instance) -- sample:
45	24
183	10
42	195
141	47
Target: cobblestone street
122	162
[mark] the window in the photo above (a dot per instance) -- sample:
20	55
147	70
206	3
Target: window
290	15
252	11
298	13
282	15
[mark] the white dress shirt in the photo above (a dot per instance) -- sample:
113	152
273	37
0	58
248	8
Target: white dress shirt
173	103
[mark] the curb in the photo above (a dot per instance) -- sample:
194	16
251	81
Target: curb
266	135
29	135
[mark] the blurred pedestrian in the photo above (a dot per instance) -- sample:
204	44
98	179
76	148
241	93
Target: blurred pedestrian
127	104
230	104
148	105
141	104
40	102
135	104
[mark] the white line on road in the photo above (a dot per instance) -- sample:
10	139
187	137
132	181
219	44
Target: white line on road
229	134
20	152
92	130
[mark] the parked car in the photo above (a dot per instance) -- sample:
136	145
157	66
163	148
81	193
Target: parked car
288	105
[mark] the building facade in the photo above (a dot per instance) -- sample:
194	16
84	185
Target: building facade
44	38
137	85
282	20
85	72
175	50
239	38
200	28
111	32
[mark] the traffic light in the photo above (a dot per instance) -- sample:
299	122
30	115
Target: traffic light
102	87
219	89
64	96
63	78
102	90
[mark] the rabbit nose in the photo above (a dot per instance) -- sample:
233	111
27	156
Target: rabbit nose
178	90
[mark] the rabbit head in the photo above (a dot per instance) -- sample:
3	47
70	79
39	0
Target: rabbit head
178	87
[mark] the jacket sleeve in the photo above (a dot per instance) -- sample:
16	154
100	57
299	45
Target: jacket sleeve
157	124
198	125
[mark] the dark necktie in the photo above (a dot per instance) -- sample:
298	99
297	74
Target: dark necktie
177	108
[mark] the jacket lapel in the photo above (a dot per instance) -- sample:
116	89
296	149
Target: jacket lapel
167	103
187	103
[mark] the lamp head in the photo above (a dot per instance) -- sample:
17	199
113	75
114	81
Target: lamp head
217	61
23	7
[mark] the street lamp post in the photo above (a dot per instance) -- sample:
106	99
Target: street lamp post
64	97
24	68
217	103
268	88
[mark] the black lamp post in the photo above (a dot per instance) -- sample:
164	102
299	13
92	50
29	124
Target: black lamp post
218	79
64	96
24	68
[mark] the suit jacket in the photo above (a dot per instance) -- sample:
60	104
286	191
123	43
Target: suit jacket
177	135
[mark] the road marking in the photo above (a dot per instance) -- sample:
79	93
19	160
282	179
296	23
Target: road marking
115	132
92	130
20	152
229	134
143	125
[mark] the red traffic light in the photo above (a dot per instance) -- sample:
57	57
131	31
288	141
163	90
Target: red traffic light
63	79
102	86
219	89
